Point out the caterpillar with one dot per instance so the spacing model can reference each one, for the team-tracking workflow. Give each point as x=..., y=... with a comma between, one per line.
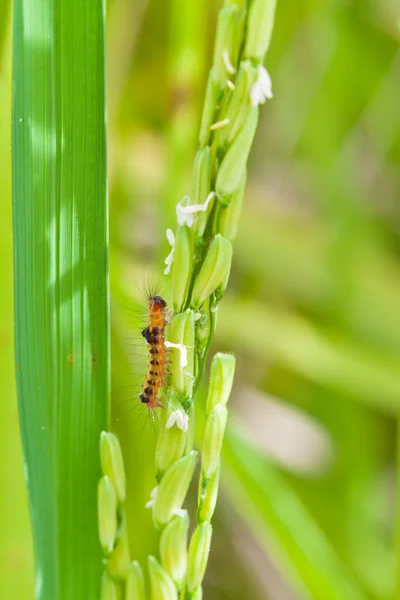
x=154, y=336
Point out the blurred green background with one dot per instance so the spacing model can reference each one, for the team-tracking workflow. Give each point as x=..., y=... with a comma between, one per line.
x=307, y=506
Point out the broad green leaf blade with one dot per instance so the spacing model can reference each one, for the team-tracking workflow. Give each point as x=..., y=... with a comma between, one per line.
x=284, y=526
x=61, y=281
x=16, y=559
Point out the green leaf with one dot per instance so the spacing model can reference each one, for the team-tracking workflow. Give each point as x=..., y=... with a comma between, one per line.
x=284, y=526
x=61, y=282
x=15, y=539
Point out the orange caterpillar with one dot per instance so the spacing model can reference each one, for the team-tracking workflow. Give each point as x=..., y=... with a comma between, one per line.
x=154, y=336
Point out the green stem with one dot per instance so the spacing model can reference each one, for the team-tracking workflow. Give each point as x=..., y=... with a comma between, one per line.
x=186, y=69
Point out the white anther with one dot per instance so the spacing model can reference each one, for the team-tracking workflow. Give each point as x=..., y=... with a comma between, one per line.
x=180, y=418
x=170, y=258
x=219, y=124
x=153, y=496
x=185, y=212
x=227, y=62
x=262, y=88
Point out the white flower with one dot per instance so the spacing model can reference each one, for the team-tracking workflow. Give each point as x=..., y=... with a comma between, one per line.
x=180, y=418
x=185, y=212
x=227, y=62
x=153, y=496
x=262, y=88
x=170, y=258
x=183, y=215
x=183, y=350
x=180, y=512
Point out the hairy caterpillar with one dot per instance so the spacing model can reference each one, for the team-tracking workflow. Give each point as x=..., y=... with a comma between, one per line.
x=154, y=335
